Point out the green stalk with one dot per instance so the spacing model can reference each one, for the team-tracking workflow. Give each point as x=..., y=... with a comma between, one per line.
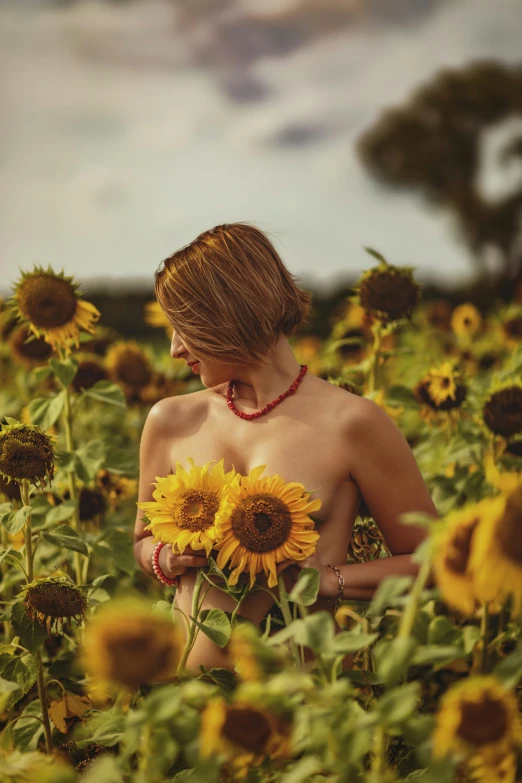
x=376, y=346
x=24, y=493
x=4, y=568
x=484, y=621
x=379, y=750
x=69, y=445
x=43, y=704
x=410, y=613
x=285, y=609
x=193, y=627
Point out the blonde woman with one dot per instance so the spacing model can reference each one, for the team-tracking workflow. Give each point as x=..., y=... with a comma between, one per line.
x=233, y=306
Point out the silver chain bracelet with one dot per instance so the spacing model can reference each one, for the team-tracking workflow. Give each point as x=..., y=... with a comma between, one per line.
x=336, y=603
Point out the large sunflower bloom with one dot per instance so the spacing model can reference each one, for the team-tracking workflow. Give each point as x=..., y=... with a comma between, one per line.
x=269, y=523
x=453, y=544
x=477, y=716
x=190, y=508
x=243, y=734
x=496, y=558
x=388, y=292
x=51, y=306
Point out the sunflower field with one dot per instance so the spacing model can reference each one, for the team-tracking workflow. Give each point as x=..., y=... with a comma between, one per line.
x=94, y=685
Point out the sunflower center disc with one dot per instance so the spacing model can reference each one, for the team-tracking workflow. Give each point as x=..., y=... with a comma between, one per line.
x=198, y=510
x=248, y=728
x=510, y=529
x=482, y=722
x=47, y=301
x=459, y=548
x=261, y=522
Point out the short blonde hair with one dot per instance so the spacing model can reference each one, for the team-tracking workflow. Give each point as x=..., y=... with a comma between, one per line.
x=229, y=293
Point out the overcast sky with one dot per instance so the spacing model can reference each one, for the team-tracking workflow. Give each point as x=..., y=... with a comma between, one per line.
x=129, y=128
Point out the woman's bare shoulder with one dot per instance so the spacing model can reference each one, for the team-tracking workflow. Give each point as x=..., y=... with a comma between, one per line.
x=171, y=411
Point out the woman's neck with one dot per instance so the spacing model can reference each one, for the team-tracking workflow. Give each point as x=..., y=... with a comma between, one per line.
x=263, y=382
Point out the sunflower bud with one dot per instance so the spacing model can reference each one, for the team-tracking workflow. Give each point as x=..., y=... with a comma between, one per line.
x=26, y=453
x=54, y=602
x=388, y=292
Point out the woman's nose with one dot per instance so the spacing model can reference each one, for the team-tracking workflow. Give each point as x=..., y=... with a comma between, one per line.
x=176, y=347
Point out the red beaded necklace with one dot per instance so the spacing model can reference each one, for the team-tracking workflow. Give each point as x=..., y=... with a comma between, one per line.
x=257, y=414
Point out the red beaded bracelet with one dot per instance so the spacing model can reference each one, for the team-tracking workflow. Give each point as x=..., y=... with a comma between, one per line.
x=157, y=568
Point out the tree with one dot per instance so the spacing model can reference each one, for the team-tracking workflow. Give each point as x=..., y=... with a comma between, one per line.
x=433, y=144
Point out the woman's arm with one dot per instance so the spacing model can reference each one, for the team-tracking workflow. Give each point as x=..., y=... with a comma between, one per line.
x=391, y=484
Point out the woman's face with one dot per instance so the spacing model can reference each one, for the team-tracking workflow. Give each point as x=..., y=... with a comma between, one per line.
x=211, y=371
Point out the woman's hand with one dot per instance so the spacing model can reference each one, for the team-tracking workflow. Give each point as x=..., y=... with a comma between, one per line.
x=328, y=581
x=174, y=565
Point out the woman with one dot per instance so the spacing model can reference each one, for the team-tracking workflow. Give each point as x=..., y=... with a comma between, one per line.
x=233, y=305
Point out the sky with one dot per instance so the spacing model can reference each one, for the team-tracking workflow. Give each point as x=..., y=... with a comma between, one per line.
x=129, y=128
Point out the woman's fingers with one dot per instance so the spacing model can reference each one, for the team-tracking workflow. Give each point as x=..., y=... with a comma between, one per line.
x=188, y=561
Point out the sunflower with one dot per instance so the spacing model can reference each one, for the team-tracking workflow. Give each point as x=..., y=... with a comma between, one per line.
x=54, y=601
x=466, y=320
x=367, y=542
x=253, y=659
x=269, y=523
x=116, y=488
x=453, y=544
x=128, y=645
x=101, y=340
x=502, y=411
x=496, y=558
x=160, y=386
x=478, y=715
x=154, y=315
x=441, y=388
x=27, y=349
x=129, y=366
x=504, y=481
x=499, y=768
x=388, y=292
x=244, y=735
x=50, y=304
x=437, y=313
x=26, y=452
x=190, y=508
x=90, y=370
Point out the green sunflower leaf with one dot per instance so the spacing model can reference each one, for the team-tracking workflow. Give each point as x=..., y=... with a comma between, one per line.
x=306, y=588
x=45, y=411
x=64, y=370
x=15, y=521
x=216, y=625
x=20, y=669
x=107, y=392
x=65, y=536
x=31, y=633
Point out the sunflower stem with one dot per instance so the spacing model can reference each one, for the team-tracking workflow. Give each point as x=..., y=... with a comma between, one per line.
x=285, y=609
x=24, y=494
x=379, y=750
x=43, y=704
x=484, y=621
x=374, y=357
x=69, y=445
x=3, y=573
x=410, y=613
x=191, y=638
